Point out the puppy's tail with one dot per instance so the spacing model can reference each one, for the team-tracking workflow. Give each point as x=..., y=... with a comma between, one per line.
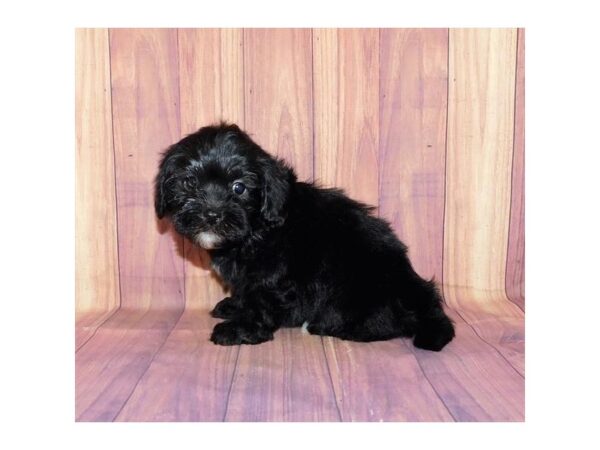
x=433, y=333
x=434, y=329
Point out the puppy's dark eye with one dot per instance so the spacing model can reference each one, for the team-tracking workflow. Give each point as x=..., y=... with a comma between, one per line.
x=238, y=188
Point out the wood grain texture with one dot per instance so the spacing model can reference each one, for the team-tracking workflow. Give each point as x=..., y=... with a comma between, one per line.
x=478, y=185
x=478, y=165
x=211, y=77
x=515, y=262
x=86, y=324
x=366, y=377
x=96, y=253
x=473, y=379
x=346, y=110
x=503, y=331
x=145, y=93
x=381, y=105
x=278, y=112
x=211, y=83
x=189, y=379
x=109, y=365
x=282, y=380
x=278, y=94
x=381, y=381
x=413, y=105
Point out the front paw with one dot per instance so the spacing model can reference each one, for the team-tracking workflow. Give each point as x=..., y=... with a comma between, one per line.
x=235, y=333
x=227, y=308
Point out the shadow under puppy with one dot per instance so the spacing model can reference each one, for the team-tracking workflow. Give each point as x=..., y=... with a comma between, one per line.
x=292, y=253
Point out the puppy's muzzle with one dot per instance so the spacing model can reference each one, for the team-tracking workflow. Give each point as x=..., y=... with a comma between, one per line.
x=212, y=217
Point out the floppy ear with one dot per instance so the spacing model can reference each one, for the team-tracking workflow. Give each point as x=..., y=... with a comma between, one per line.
x=165, y=172
x=277, y=178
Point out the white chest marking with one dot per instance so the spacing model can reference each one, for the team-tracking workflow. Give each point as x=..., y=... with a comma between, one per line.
x=208, y=239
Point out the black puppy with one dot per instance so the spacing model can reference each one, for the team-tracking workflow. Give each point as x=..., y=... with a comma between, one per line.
x=292, y=253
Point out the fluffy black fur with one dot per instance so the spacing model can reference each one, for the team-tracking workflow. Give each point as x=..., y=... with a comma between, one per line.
x=292, y=253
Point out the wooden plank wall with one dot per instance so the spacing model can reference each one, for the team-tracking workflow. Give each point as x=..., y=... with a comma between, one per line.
x=97, y=290
x=425, y=124
x=97, y=280
x=362, y=109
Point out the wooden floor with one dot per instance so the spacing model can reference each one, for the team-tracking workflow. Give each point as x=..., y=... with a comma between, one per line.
x=159, y=365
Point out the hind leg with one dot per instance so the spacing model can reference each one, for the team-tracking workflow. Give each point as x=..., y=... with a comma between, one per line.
x=376, y=326
x=355, y=333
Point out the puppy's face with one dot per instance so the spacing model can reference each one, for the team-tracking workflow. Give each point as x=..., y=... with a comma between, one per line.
x=218, y=187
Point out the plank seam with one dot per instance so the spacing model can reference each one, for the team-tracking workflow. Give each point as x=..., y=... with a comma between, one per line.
x=244, y=80
x=237, y=356
x=487, y=342
x=96, y=329
x=312, y=89
x=112, y=124
x=233, y=373
x=167, y=336
x=335, y=397
x=512, y=173
x=446, y=164
x=430, y=383
x=380, y=150
x=183, y=244
x=244, y=77
x=378, y=109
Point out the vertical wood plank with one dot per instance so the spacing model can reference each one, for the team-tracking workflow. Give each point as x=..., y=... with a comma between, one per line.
x=413, y=96
x=347, y=116
x=146, y=121
x=278, y=112
x=211, y=86
x=144, y=80
x=346, y=99
x=278, y=94
x=211, y=77
x=478, y=185
x=479, y=161
x=515, y=269
x=96, y=254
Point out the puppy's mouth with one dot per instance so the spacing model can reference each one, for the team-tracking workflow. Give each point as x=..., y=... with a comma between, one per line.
x=208, y=239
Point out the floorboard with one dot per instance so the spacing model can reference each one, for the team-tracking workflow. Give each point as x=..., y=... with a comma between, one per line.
x=475, y=381
x=286, y=379
x=109, y=365
x=381, y=381
x=87, y=323
x=160, y=366
x=505, y=333
x=189, y=378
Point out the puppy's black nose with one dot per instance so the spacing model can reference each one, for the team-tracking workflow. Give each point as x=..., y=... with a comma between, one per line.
x=212, y=217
